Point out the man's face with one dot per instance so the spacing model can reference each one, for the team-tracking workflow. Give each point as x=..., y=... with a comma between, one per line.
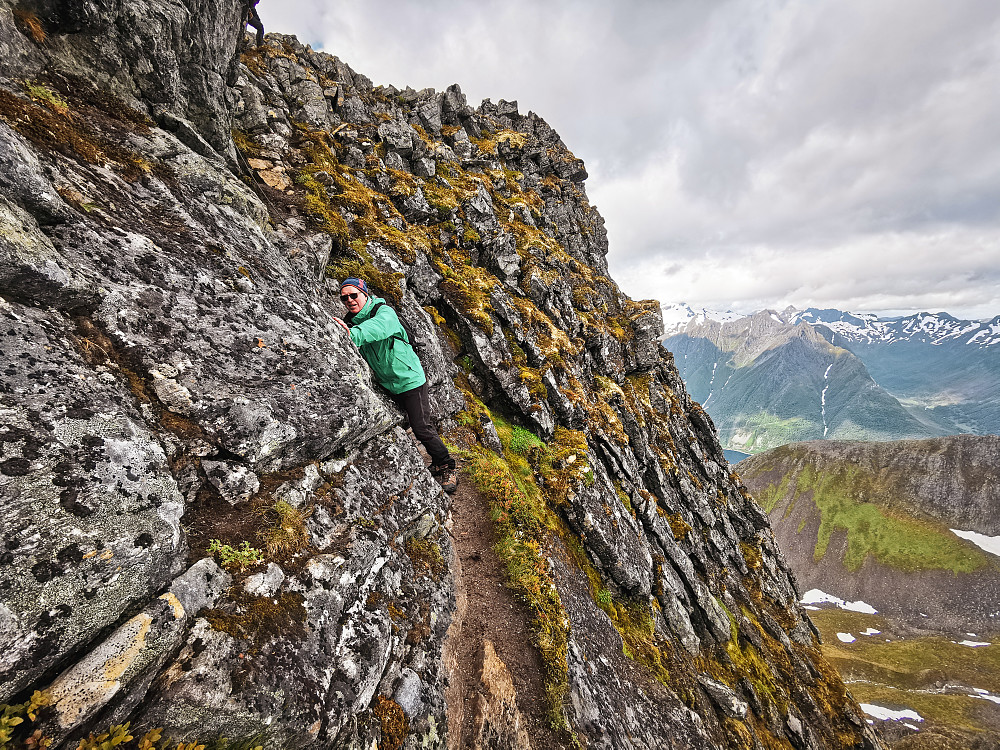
x=353, y=298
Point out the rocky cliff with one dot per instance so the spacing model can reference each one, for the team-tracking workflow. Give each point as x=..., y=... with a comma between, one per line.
x=213, y=522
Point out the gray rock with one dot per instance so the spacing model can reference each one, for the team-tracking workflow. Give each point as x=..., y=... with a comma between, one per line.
x=266, y=583
x=398, y=137
x=394, y=160
x=408, y=693
x=139, y=646
x=21, y=178
x=726, y=699
x=424, y=167
x=92, y=514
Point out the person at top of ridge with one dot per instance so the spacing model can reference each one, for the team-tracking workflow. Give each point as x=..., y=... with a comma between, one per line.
x=375, y=329
x=250, y=17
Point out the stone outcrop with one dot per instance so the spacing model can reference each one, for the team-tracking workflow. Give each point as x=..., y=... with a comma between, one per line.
x=175, y=390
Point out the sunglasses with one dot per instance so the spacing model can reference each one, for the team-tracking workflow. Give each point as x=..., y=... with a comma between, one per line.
x=345, y=297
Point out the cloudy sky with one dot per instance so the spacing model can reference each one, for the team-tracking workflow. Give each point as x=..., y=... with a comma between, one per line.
x=744, y=153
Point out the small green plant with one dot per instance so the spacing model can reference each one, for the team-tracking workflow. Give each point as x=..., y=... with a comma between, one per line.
x=13, y=715
x=604, y=599
x=115, y=736
x=42, y=93
x=9, y=719
x=240, y=557
x=523, y=442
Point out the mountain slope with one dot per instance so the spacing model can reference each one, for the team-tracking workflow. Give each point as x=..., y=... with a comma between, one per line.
x=896, y=535
x=873, y=521
x=215, y=524
x=947, y=368
x=767, y=382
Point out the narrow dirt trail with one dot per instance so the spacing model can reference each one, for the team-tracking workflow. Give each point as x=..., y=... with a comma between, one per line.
x=488, y=612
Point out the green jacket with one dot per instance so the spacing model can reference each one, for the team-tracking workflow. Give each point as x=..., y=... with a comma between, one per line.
x=385, y=346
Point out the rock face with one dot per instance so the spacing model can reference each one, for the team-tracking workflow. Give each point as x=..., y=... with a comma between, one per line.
x=873, y=521
x=176, y=398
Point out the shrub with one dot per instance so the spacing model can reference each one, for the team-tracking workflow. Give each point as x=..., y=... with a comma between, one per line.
x=240, y=557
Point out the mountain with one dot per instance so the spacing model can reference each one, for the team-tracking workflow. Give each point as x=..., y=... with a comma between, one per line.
x=776, y=377
x=946, y=367
x=214, y=523
x=904, y=538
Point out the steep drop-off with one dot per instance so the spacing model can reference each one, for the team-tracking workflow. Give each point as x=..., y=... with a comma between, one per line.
x=871, y=524
x=213, y=521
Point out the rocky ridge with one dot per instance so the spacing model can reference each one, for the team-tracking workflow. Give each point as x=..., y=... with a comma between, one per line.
x=215, y=523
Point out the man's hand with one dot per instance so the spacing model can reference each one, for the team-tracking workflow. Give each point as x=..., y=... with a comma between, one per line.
x=341, y=323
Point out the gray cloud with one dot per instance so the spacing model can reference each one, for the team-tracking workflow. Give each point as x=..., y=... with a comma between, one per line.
x=746, y=152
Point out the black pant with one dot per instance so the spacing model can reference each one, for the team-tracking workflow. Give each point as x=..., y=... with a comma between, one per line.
x=416, y=404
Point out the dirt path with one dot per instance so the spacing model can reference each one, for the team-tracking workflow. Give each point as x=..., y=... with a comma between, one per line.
x=488, y=611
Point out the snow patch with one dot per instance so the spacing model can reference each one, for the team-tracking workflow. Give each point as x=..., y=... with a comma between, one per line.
x=871, y=631
x=822, y=397
x=815, y=596
x=973, y=644
x=846, y=638
x=887, y=714
x=677, y=317
x=990, y=544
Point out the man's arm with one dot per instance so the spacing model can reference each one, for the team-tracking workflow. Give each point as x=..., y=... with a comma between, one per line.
x=384, y=324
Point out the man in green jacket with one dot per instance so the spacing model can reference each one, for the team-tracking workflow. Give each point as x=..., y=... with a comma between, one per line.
x=375, y=329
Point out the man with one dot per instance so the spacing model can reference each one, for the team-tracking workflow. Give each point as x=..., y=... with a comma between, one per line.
x=250, y=17
x=375, y=329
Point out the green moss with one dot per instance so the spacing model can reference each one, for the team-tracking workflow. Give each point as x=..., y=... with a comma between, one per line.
x=285, y=531
x=533, y=380
x=61, y=125
x=259, y=619
x=393, y=723
x=749, y=663
x=633, y=619
x=678, y=526
x=895, y=540
x=467, y=286
x=426, y=556
x=43, y=94
x=388, y=284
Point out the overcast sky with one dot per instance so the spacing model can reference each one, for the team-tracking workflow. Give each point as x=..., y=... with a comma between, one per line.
x=744, y=153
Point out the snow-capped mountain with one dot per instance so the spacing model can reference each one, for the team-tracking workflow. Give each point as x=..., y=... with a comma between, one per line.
x=775, y=376
x=928, y=328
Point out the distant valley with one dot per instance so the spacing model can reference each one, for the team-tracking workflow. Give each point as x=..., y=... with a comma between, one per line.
x=777, y=377
x=896, y=546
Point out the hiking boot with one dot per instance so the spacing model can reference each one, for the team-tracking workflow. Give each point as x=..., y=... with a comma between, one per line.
x=446, y=476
